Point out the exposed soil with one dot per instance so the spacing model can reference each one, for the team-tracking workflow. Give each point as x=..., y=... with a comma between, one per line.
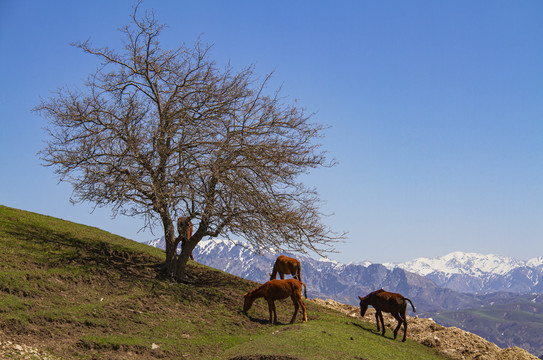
x=11, y=350
x=456, y=343
x=264, y=357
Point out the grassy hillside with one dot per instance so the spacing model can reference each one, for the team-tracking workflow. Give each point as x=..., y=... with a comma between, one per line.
x=82, y=293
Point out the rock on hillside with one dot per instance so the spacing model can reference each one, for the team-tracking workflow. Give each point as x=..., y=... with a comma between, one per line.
x=16, y=350
x=456, y=343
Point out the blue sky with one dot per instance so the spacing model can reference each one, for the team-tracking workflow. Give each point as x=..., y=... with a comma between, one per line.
x=435, y=110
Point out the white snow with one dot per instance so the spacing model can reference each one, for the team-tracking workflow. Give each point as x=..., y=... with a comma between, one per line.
x=535, y=262
x=472, y=264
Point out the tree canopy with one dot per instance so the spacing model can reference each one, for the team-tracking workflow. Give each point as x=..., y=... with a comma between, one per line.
x=164, y=134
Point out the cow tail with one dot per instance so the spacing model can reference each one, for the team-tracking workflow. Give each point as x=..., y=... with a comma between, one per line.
x=273, y=275
x=305, y=289
x=413, y=306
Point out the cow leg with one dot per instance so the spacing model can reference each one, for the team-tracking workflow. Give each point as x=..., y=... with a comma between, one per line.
x=271, y=309
x=404, y=326
x=400, y=321
x=282, y=276
x=377, y=320
x=303, y=309
x=382, y=323
x=296, y=307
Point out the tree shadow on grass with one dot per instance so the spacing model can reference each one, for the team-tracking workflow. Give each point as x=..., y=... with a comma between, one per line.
x=60, y=249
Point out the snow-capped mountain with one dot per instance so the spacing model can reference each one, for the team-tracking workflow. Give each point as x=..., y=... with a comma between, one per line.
x=477, y=273
x=459, y=271
x=461, y=263
x=469, y=273
x=536, y=263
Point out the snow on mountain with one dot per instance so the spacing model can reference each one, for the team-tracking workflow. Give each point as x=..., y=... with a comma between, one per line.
x=158, y=243
x=536, y=263
x=462, y=263
x=477, y=273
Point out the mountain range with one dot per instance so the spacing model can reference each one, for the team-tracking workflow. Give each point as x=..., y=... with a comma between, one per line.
x=477, y=273
x=451, y=282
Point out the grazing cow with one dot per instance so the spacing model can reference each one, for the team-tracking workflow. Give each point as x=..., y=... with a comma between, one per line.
x=285, y=265
x=184, y=230
x=388, y=302
x=277, y=290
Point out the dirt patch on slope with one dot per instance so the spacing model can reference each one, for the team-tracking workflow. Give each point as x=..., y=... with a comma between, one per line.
x=455, y=343
x=11, y=350
x=263, y=357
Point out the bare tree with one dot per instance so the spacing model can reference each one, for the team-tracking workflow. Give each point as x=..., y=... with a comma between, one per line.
x=163, y=134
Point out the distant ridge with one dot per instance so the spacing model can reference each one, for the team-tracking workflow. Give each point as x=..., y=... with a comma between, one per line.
x=468, y=263
x=470, y=273
x=478, y=273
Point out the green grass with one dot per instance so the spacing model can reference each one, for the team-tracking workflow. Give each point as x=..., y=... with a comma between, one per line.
x=83, y=293
x=337, y=337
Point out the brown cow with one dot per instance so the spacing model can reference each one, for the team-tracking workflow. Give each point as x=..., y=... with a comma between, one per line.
x=285, y=265
x=392, y=303
x=277, y=290
x=184, y=230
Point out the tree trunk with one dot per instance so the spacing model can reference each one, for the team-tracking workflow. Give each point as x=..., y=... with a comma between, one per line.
x=186, y=250
x=175, y=266
x=169, y=267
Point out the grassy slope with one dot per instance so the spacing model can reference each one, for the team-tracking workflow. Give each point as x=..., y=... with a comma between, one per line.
x=83, y=293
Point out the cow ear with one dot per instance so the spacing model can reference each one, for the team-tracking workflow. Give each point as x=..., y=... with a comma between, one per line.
x=360, y=298
x=245, y=295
